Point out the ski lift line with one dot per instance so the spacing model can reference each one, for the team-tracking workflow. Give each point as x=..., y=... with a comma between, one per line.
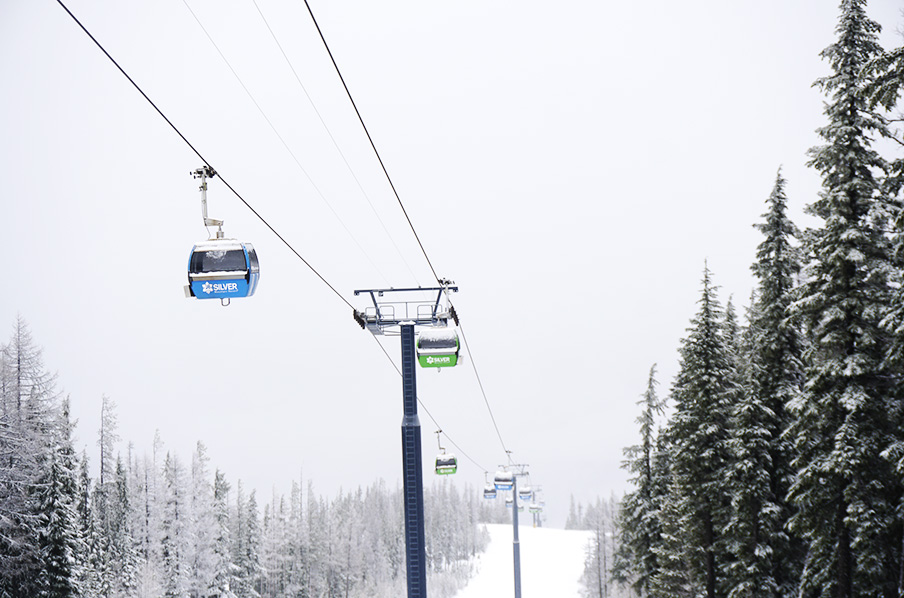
x=258, y=215
x=370, y=139
x=427, y=411
x=335, y=143
x=282, y=140
x=401, y=205
x=464, y=339
x=204, y=160
x=383, y=321
x=508, y=453
x=458, y=449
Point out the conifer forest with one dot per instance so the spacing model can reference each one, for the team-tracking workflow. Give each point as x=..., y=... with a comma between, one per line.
x=165, y=525
x=771, y=466
x=778, y=469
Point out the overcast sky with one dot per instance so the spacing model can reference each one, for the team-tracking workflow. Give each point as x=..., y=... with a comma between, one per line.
x=570, y=165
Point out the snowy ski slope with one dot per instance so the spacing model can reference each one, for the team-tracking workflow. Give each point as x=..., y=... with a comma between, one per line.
x=552, y=561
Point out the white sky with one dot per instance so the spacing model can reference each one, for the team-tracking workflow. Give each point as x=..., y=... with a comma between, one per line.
x=570, y=165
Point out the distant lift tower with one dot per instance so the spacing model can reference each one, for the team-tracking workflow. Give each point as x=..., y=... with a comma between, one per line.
x=386, y=316
x=516, y=543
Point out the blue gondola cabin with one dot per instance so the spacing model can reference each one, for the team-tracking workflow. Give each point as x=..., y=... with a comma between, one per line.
x=222, y=269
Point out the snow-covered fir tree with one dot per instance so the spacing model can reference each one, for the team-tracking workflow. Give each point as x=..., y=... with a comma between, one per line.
x=571, y=520
x=59, y=539
x=764, y=559
x=122, y=545
x=749, y=571
x=221, y=565
x=662, y=492
x=28, y=403
x=846, y=493
x=885, y=80
x=175, y=527
x=638, y=522
x=677, y=573
x=598, y=580
x=702, y=394
x=203, y=529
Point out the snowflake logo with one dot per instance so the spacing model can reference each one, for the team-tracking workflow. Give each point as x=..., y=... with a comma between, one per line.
x=207, y=288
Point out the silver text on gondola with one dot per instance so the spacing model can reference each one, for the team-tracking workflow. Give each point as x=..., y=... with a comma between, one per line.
x=219, y=287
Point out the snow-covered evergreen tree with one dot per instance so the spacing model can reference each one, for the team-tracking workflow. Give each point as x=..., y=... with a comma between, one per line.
x=89, y=580
x=175, y=526
x=247, y=542
x=669, y=562
x=597, y=579
x=638, y=522
x=149, y=513
x=846, y=493
x=764, y=561
x=101, y=492
x=572, y=521
x=885, y=80
x=122, y=544
x=222, y=555
x=274, y=556
x=317, y=523
x=702, y=395
x=203, y=529
x=59, y=537
x=754, y=519
x=379, y=562
x=28, y=402
x=296, y=543
x=674, y=576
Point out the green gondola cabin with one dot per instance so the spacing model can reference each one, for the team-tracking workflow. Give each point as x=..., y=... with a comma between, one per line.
x=438, y=347
x=446, y=464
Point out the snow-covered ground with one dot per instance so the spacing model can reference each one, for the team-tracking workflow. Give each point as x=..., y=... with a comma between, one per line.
x=552, y=561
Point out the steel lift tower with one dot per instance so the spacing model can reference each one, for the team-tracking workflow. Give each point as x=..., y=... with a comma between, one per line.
x=516, y=543
x=384, y=317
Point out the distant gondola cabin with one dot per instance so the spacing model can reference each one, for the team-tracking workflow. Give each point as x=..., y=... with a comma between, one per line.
x=504, y=480
x=446, y=464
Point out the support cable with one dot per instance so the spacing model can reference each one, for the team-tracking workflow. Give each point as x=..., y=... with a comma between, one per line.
x=404, y=211
x=197, y=153
x=335, y=143
x=370, y=139
x=464, y=339
x=278, y=235
x=283, y=141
